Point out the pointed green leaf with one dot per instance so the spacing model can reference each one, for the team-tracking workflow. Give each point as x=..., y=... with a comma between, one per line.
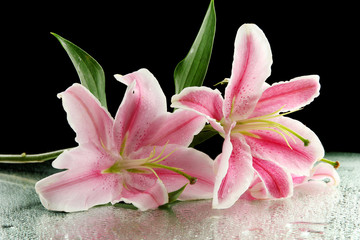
x=206, y=133
x=89, y=70
x=192, y=69
x=173, y=196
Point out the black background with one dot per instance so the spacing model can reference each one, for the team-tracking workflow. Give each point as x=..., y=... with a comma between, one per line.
x=306, y=38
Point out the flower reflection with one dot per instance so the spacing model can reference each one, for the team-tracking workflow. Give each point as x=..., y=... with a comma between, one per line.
x=289, y=218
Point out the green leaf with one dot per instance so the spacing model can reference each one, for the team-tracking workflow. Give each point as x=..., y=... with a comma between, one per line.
x=89, y=70
x=207, y=132
x=192, y=69
x=173, y=196
x=125, y=205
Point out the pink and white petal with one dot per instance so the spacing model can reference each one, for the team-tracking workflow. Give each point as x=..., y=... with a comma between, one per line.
x=143, y=102
x=144, y=192
x=257, y=191
x=251, y=67
x=297, y=180
x=90, y=121
x=311, y=187
x=204, y=100
x=290, y=95
x=277, y=180
x=178, y=127
x=88, y=156
x=234, y=172
x=194, y=163
x=325, y=171
x=300, y=159
x=190, y=161
x=217, y=126
x=77, y=190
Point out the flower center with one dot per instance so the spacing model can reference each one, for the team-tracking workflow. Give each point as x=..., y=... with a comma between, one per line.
x=146, y=165
x=263, y=123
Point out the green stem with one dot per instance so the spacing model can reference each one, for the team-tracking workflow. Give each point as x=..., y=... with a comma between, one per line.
x=335, y=164
x=30, y=158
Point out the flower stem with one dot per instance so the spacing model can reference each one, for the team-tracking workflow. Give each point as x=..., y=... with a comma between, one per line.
x=335, y=164
x=30, y=158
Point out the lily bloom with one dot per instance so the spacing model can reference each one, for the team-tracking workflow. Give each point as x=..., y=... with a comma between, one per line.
x=258, y=139
x=138, y=157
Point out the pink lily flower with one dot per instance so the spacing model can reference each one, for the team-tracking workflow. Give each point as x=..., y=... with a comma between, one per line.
x=259, y=140
x=138, y=157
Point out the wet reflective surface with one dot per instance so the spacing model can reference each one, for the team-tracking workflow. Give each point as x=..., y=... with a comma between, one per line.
x=333, y=213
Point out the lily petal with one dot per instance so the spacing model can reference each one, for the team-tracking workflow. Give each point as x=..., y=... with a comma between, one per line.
x=144, y=192
x=178, y=127
x=290, y=95
x=325, y=171
x=272, y=146
x=251, y=67
x=77, y=190
x=87, y=157
x=143, y=102
x=277, y=181
x=234, y=172
x=89, y=120
x=203, y=100
x=323, y=177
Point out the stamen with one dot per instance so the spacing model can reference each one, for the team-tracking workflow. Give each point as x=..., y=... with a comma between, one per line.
x=249, y=134
x=281, y=134
x=152, y=154
x=263, y=122
x=269, y=115
x=272, y=115
x=286, y=113
x=281, y=127
x=146, y=165
x=153, y=171
x=162, y=159
x=304, y=140
x=225, y=81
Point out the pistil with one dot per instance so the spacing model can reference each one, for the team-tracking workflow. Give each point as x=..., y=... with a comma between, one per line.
x=335, y=164
x=263, y=123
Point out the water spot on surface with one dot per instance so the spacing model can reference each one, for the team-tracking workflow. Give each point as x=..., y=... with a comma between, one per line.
x=5, y=226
